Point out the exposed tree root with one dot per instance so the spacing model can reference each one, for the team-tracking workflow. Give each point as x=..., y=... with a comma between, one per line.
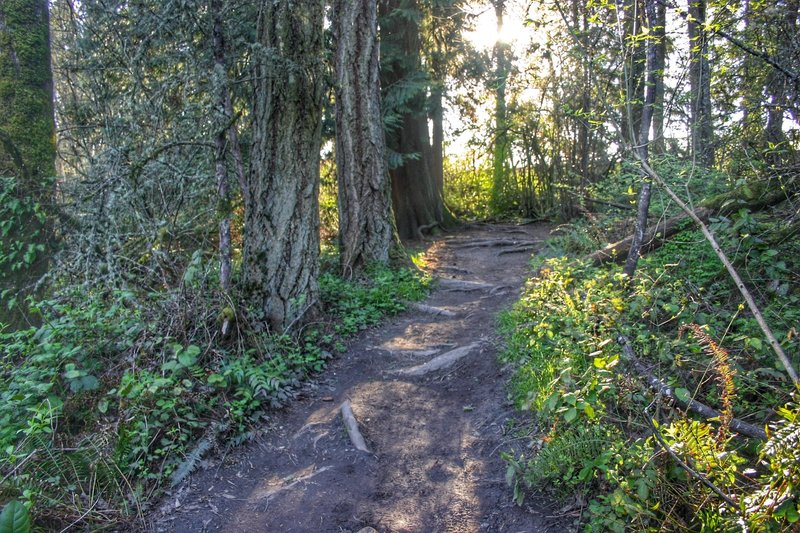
x=351, y=424
x=430, y=310
x=437, y=363
x=465, y=286
x=271, y=493
x=519, y=249
x=494, y=243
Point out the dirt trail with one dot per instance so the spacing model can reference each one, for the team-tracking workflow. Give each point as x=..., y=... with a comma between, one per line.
x=434, y=438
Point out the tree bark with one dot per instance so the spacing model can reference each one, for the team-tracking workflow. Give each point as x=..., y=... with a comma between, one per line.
x=366, y=232
x=653, y=78
x=700, y=86
x=415, y=198
x=281, y=248
x=27, y=148
x=658, y=143
x=499, y=156
x=220, y=167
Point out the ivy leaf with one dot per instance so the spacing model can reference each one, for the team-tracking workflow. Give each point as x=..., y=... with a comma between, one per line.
x=571, y=414
x=683, y=395
x=15, y=518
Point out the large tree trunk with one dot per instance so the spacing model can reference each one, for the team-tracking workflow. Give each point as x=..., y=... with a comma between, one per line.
x=27, y=146
x=416, y=200
x=281, y=248
x=365, y=212
x=700, y=86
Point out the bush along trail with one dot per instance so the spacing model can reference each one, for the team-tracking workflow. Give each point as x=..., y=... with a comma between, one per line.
x=658, y=405
x=403, y=432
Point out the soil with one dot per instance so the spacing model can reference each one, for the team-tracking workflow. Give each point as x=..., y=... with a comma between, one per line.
x=435, y=439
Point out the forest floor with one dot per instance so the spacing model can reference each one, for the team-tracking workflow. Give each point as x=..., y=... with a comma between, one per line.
x=434, y=439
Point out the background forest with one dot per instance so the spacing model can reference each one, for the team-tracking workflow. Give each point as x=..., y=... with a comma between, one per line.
x=201, y=199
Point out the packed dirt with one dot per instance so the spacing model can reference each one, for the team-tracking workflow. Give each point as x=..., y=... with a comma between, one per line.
x=434, y=417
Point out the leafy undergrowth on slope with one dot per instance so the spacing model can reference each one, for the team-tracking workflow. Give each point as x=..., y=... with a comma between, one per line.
x=612, y=446
x=116, y=395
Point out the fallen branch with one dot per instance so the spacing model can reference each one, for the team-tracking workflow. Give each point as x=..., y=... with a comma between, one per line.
x=465, y=286
x=437, y=363
x=430, y=310
x=629, y=356
x=351, y=424
x=732, y=272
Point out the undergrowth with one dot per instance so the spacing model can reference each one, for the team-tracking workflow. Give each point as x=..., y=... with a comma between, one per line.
x=119, y=394
x=640, y=461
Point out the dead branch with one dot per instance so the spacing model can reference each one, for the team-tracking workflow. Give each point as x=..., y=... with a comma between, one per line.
x=351, y=424
x=732, y=272
x=630, y=357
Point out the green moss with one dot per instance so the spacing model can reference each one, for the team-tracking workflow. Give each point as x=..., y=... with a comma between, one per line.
x=26, y=89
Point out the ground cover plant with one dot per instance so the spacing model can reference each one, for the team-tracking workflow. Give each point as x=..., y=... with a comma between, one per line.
x=635, y=459
x=107, y=402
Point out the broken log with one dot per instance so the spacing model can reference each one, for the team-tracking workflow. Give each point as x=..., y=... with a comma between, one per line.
x=437, y=363
x=630, y=357
x=351, y=424
x=653, y=238
x=430, y=310
x=753, y=196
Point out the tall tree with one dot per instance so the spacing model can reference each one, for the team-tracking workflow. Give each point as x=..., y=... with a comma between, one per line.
x=366, y=229
x=700, y=85
x=27, y=142
x=418, y=204
x=500, y=151
x=281, y=247
x=653, y=78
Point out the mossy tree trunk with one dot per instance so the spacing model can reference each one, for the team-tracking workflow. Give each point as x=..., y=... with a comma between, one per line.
x=281, y=247
x=27, y=148
x=366, y=229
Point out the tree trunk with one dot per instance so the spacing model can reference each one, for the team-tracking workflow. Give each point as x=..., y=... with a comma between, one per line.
x=700, y=86
x=634, y=70
x=658, y=145
x=778, y=88
x=220, y=168
x=415, y=198
x=500, y=154
x=281, y=247
x=365, y=212
x=27, y=147
x=653, y=79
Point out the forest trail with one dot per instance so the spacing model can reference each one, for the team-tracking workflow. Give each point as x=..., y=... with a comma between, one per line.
x=434, y=425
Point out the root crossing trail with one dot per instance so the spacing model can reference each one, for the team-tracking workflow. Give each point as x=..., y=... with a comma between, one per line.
x=427, y=395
